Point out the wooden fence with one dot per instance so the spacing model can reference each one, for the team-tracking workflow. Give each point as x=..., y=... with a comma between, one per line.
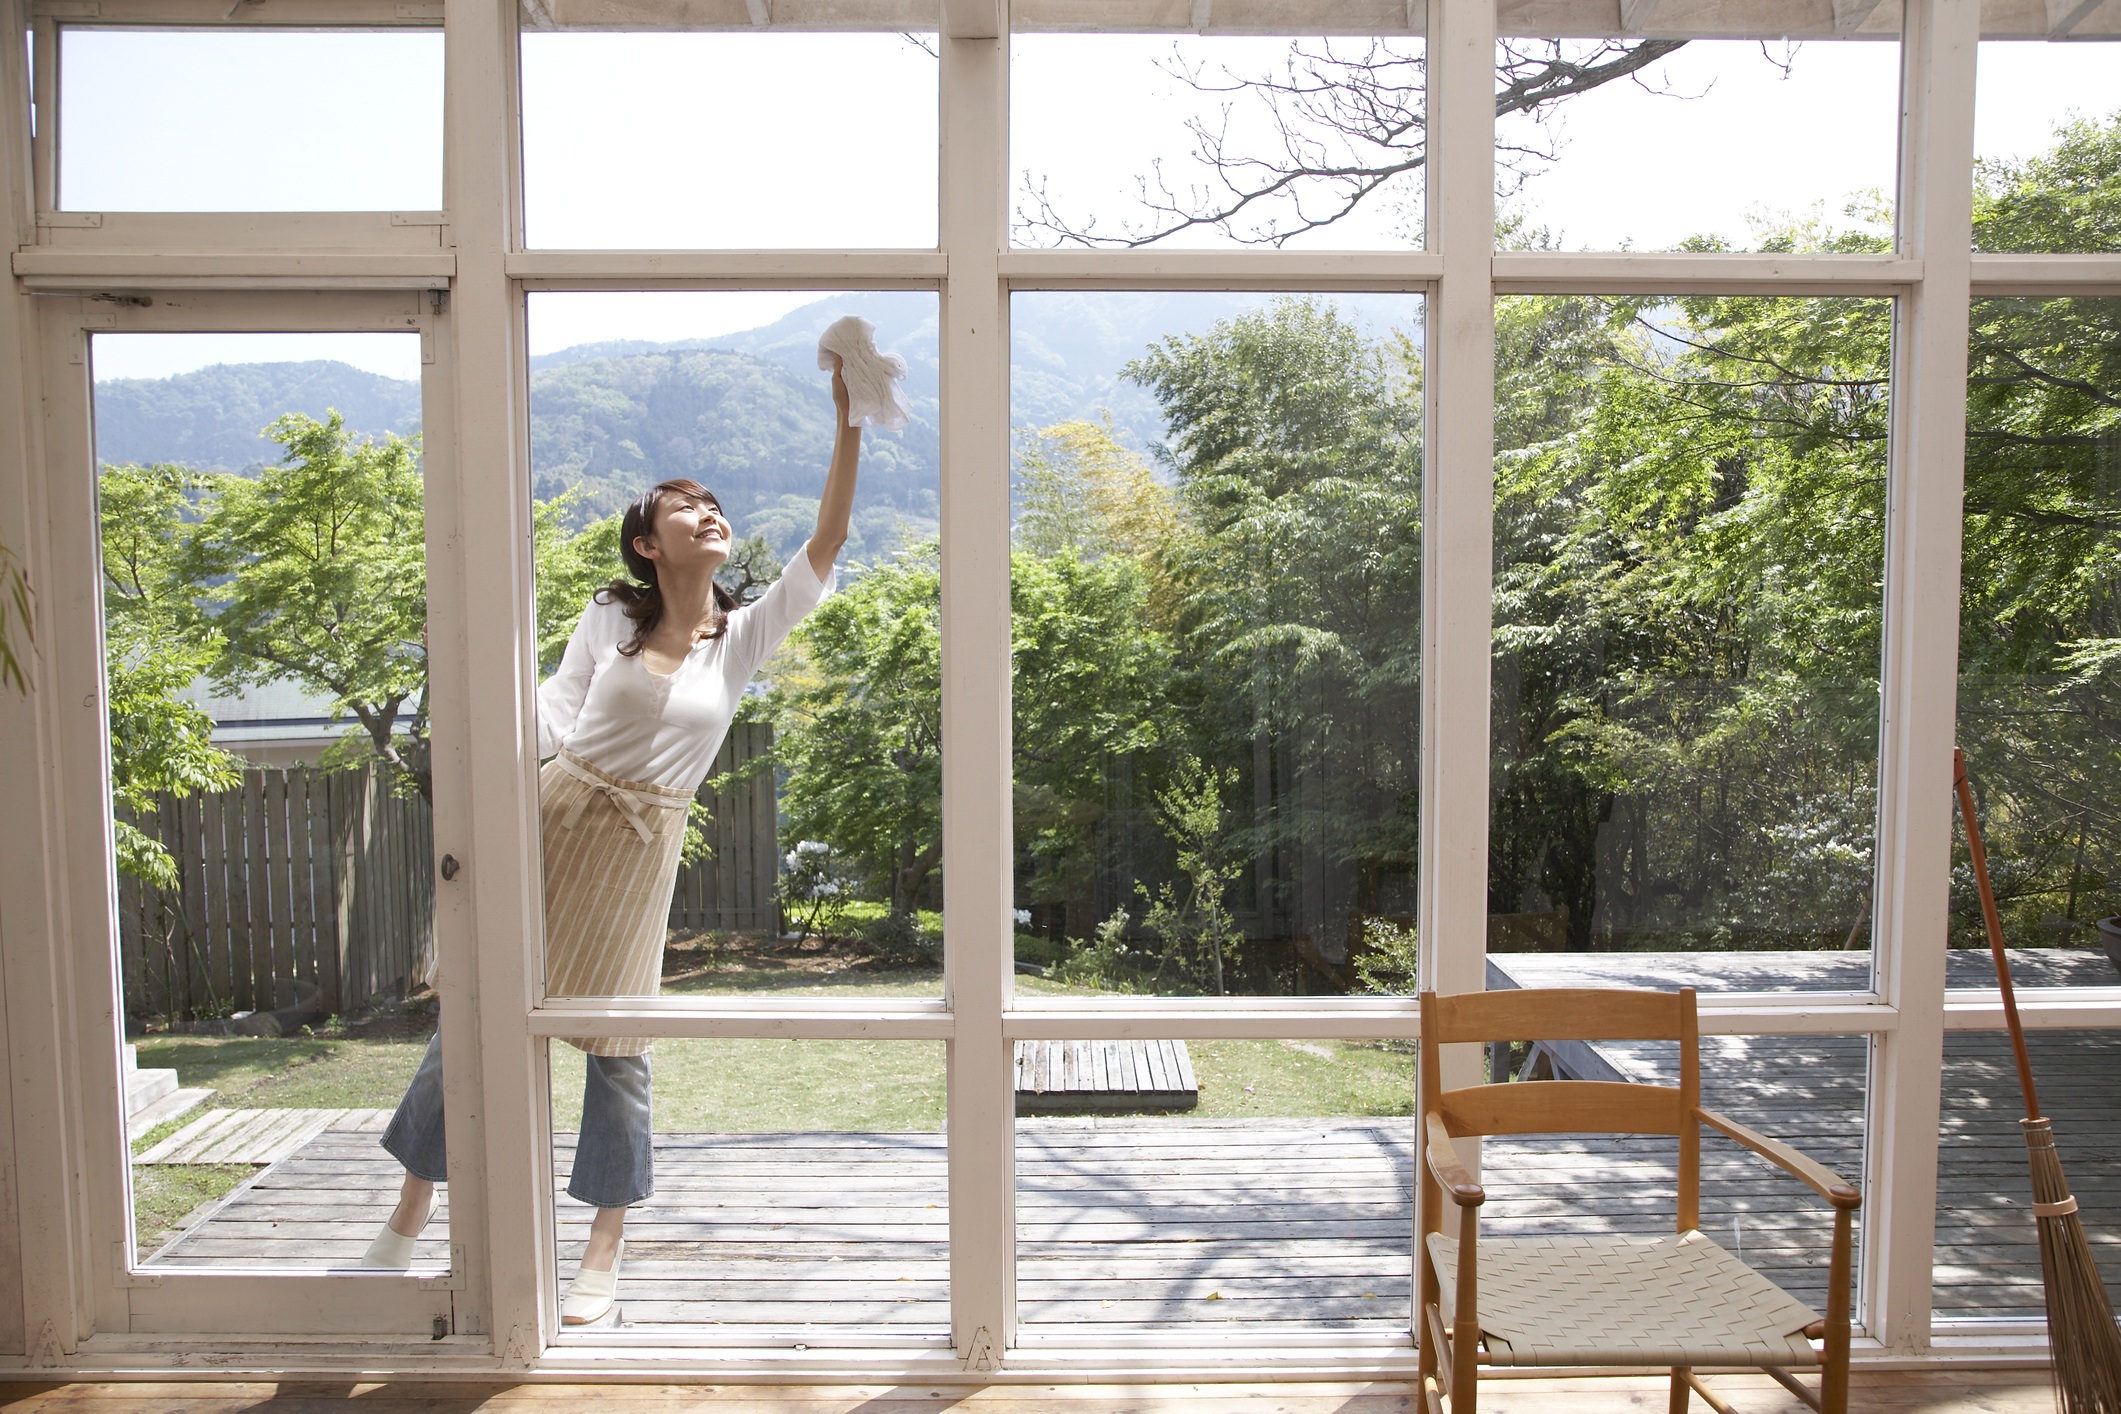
x=736, y=888
x=298, y=886
x=307, y=887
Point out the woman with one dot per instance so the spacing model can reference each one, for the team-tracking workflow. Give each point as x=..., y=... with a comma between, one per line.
x=631, y=721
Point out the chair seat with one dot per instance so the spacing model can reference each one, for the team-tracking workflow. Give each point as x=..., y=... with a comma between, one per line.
x=1663, y=1299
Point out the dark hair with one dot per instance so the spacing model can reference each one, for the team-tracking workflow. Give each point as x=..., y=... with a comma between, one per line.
x=644, y=601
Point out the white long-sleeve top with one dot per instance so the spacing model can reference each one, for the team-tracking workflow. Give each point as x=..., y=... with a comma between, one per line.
x=664, y=729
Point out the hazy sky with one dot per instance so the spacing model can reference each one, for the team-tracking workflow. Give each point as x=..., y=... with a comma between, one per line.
x=632, y=140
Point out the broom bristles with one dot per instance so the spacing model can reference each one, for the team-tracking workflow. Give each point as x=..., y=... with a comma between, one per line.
x=2084, y=1341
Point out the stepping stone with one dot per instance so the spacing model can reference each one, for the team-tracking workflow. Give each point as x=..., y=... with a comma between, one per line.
x=255, y=1136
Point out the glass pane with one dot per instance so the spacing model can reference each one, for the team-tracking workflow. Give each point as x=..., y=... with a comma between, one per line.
x=169, y=120
x=1807, y=1091
x=2047, y=128
x=1689, y=540
x=1217, y=588
x=1988, y=1252
x=271, y=786
x=2040, y=640
x=1217, y=141
x=796, y=1191
x=1781, y=143
x=729, y=140
x=1257, y=1187
x=812, y=851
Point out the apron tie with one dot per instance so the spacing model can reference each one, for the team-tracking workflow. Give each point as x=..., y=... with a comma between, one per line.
x=626, y=802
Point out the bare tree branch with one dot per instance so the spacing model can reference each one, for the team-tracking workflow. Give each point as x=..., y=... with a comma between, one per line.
x=1338, y=127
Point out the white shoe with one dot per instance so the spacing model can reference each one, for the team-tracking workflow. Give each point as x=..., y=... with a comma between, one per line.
x=591, y=1295
x=393, y=1249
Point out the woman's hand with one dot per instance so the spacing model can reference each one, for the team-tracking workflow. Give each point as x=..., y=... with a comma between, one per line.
x=841, y=399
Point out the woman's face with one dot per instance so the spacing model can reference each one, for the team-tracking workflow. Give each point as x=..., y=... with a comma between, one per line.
x=689, y=531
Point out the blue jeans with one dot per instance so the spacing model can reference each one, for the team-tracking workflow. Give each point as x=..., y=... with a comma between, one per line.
x=614, y=1156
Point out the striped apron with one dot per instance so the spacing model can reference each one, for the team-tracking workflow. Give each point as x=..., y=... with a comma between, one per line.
x=611, y=861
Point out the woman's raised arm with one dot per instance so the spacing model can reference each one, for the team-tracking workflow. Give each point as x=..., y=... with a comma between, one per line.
x=837, y=503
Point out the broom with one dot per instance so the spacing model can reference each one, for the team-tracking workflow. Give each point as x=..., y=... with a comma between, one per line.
x=2081, y=1334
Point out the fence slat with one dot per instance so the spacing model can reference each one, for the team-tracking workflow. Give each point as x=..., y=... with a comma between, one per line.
x=257, y=880
x=265, y=895
x=213, y=900
x=301, y=908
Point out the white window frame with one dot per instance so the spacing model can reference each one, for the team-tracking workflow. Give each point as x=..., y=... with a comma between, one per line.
x=78, y=1309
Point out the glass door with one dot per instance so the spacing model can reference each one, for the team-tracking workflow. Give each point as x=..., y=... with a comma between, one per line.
x=247, y=519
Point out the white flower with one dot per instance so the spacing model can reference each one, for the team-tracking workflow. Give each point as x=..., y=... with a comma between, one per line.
x=1023, y=918
x=812, y=847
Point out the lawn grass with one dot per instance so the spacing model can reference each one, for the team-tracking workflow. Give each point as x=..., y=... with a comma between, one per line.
x=1302, y=1079
x=752, y=1085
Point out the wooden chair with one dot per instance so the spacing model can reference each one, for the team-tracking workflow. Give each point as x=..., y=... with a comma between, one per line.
x=1626, y=1299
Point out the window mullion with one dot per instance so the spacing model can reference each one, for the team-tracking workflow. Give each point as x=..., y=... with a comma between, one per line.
x=976, y=695
x=499, y=1117
x=1458, y=498
x=1926, y=479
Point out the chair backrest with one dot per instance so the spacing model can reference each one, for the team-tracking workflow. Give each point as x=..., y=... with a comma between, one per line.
x=1561, y=1106
x=1565, y=1106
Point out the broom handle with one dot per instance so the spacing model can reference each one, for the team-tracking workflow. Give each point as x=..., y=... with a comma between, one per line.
x=1994, y=922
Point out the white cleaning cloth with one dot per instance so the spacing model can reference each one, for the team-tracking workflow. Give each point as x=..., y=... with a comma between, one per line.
x=874, y=398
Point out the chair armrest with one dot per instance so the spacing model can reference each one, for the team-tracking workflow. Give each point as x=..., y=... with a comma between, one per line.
x=1815, y=1176
x=1444, y=1163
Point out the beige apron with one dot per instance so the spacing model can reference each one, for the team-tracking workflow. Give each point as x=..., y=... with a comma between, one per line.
x=611, y=861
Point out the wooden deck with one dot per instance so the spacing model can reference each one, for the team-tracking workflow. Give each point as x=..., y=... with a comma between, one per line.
x=1142, y=1223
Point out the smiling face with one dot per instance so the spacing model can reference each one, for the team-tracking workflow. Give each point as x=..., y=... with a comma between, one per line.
x=690, y=531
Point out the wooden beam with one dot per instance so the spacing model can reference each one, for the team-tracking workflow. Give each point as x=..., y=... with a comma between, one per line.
x=1152, y=268
x=728, y=269
x=1680, y=272
x=975, y=19
x=1636, y=16
x=1849, y=15
x=2047, y=275
x=2063, y=16
x=58, y=268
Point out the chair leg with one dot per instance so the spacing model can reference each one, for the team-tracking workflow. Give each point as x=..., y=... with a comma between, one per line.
x=1834, y=1383
x=1680, y=1391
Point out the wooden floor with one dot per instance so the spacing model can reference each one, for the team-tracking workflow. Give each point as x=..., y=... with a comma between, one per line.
x=1927, y=1393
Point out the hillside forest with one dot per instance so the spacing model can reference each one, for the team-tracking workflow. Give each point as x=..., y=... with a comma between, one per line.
x=1217, y=627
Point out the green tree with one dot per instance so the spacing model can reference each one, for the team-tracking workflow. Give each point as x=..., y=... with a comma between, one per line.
x=1090, y=673
x=1690, y=521
x=857, y=707
x=858, y=723
x=155, y=646
x=315, y=569
x=2040, y=597
x=1296, y=449
x=1192, y=914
